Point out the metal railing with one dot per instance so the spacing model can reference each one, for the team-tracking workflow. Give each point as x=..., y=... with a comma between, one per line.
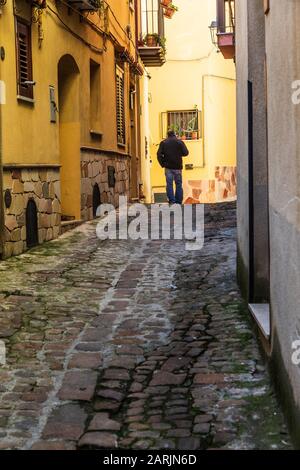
x=152, y=18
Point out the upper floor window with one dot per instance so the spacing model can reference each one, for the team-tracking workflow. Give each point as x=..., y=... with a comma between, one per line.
x=95, y=97
x=226, y=16
x=24, y=59
x=152, y=18
x=120, y=90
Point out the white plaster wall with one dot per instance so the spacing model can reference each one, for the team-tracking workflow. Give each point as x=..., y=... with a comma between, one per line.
x=283, y=67
x=242, y=130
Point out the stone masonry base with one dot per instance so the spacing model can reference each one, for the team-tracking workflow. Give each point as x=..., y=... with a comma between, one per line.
x=42, y=186
x=95, y=170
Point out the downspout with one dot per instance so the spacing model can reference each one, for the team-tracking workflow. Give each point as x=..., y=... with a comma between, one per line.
x=2, y=101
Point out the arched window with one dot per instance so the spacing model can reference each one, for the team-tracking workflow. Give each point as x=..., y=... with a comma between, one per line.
x=31, y=224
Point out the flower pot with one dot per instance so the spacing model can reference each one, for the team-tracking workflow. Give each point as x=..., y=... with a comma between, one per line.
x=165, y=3
x=151, y=41
x=183, y=137
x=169, y=12
x=194, y=135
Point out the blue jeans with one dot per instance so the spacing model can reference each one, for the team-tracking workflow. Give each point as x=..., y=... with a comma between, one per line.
x=171, y=176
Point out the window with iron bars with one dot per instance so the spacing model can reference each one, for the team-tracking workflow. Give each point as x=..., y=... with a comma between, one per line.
x=187, y=125
x=152, y=19
x=226, y=16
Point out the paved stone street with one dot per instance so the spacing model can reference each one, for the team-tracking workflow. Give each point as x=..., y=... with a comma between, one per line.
x=135, y=344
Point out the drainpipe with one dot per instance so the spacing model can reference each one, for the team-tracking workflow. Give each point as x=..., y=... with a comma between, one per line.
x=2, y=100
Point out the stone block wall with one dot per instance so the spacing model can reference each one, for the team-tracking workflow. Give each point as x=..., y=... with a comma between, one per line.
x=94, y=170
x=41, y=185
x=221, y=189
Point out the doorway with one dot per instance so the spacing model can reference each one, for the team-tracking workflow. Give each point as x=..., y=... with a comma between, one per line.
x=31, y=224
x=69, y=136
x=259, y=240
x=96, y=199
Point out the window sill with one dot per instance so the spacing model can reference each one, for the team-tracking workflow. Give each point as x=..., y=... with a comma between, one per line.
x=96, y=133
x=25, y=99
x=123, y=146
x=261, y=315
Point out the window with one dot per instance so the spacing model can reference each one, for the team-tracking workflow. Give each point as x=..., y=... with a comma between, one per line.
x=120, y=105
x=152, y=17
x=186, y=124
x=24, y=59
x=95, y=97
x=226, y=16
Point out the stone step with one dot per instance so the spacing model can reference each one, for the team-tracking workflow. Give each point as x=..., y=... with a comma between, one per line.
x=67, y=225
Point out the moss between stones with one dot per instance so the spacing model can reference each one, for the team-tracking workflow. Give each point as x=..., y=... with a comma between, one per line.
x=285, y=392
x=268, y=421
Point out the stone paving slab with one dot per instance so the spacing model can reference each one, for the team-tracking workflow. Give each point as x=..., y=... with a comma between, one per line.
x=132, y=344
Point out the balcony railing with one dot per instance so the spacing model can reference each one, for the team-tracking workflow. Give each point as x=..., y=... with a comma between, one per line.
x=152, y=41
x=223, y=30
x=85, y=5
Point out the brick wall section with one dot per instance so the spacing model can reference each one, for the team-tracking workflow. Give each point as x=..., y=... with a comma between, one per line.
x=94, y=170
x=41, y=185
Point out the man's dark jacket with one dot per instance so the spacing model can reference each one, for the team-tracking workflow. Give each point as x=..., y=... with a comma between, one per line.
x=170, y=153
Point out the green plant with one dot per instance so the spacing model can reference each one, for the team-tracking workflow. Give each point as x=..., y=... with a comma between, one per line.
x=191, y=127
x=159, y=40
x=175, y=128
x=162, y=42
x=151, y=37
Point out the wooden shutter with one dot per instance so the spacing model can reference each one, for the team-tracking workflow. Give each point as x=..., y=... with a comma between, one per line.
x=24, y=58
x=120, y=105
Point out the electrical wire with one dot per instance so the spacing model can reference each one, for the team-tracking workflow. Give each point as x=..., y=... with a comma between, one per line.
x=104, y=33
x=77, y=36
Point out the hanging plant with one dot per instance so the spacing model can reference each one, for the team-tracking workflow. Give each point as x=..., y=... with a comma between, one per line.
x=170, y=10
x=165, y=3
x=151, y=40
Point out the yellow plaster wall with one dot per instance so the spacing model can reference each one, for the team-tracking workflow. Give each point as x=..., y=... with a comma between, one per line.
x=194, y=75
x=28, y=135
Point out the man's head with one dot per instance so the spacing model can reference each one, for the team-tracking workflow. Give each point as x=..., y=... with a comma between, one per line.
x=171, y=134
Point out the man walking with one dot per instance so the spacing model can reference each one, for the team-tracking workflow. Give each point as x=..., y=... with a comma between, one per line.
x=169, y=155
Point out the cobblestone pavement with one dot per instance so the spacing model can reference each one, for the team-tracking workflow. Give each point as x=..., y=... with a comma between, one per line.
x=135, y=344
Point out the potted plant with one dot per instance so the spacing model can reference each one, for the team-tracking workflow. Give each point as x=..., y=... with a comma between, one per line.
x=191, y=128
x=162, y=42
x=170, y=10
x=151, y=40
x=165, y=3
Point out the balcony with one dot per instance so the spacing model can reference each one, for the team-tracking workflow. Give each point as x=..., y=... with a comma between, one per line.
x=151, y=43
x=85, y=5
x=223, y=30
x=226, y=44
x=152, y=56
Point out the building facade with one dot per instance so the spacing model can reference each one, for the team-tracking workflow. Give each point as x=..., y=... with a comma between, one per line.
x=268, y=117
x=196, y=98
x=73, y=114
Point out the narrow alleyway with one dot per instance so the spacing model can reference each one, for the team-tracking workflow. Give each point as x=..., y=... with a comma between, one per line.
x=135, y=344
